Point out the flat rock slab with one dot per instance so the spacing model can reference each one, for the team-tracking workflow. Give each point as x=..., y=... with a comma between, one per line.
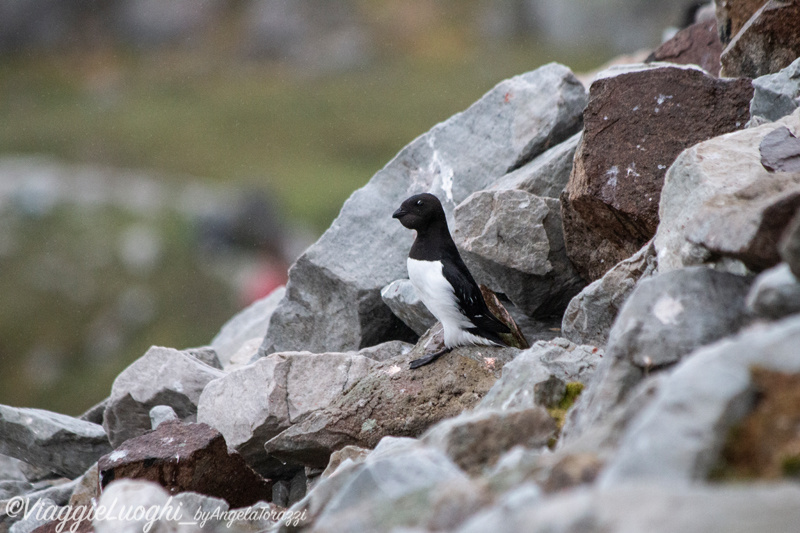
x=333, y=300
x=394, y=400
x=187, y=457
x=768, y=42
x=60, y=443
x=780, y=151
x=697, y=44
x=637, y=122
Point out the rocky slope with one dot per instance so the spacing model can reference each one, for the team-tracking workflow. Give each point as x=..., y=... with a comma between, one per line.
x=645, y=237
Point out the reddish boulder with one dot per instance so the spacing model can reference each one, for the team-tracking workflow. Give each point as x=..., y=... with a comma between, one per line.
x=187, y=457
x=732, y=15
x=698, y=44
x=768, y=42
x=636, y=124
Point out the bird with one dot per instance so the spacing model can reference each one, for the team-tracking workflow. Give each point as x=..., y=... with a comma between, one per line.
x=443, y=282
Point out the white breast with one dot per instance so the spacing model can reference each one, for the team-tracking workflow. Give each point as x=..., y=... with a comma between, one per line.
x=438, y=296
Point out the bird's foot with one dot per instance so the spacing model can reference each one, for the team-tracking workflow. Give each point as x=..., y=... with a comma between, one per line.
x=428, y=359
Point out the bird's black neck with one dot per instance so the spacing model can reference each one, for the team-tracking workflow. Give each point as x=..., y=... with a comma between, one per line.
x=433, y=243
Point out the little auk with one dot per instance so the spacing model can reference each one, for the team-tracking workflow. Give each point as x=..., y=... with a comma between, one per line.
x=443, y=282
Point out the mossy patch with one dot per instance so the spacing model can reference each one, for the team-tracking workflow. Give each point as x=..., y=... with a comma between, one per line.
x=766, y=444
x=559, y=410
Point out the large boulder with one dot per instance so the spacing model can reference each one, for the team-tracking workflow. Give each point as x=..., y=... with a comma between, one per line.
x=678, y=437
x=333, y=300
x=638, y=120
x=664, y=319
x=186, y=457
x=704, y=178
x=254, y=403
x=162, y=376
x=512, y=241
x=394, y=400
x=60, y=443
x=768, y=42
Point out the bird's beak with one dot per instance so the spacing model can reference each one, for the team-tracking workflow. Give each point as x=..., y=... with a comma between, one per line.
x=399, y=213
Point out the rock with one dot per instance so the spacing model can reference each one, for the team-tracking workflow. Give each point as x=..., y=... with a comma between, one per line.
x=475, y=440
x=10, y=488
x=87, y=489
x=11, y=469
x=780, y=151
x=402, y=298
x=638, y=120
x=512, y=241
x=332, y=300
x=775, y=293
x=386, y=350
x=162, y=376
x=678, y=437
x=697, y=44
x=546, y=175
x=134, y=493
x=747, y=224
x=95, y=413
x=702, y=179
x=590, y=314
x=571, y=471
x=538, y=376
x=394, y=400
x=160, y=414
x=249, y=323
x=398, y=484
x=252, y=404
x=733, y=15
x=206, y=355
x=354, y=454
x=768, y=42
x=790, y=246
x=33, y=521
x=186, y=457
x=777, y=95
x=664, y=319
x=60, y=443
x=645, y=507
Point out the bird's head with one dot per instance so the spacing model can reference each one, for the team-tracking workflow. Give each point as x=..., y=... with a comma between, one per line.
x=420, y=211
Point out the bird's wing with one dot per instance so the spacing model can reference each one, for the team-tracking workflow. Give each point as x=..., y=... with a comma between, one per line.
x=469, y=297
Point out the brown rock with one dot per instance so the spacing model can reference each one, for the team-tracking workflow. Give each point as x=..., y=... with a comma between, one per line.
x=394, y=400
x=698, y=44
x=186, y=457
x=572, y=470
x=636, y=124
x=768, y=42
x=732, y=15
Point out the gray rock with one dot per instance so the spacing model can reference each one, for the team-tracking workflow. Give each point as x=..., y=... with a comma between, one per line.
x=207, y=355
x=591, y=314
x=162, y=376
x=398, y=484
x=95, y=413
x=134, y=493
x=394, y=400
x=11, y=469
x=249, y=323
x=402, y=298
x=646, y=507
x=332, y=300
x=777, y=95
x=538, y=376
x=476, y=440
x=711, y=173
x=60, y=443
x=790, y=245
x=161, y=413
x=665, y=318
x=386, y=350
x=11, y=488
x=547, y=174
x=253, y=404
x=678, y=437
x=34, y=520
x=513, y=243
x=775, y=293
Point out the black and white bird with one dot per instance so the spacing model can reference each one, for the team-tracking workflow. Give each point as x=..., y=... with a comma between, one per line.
x=442, y=280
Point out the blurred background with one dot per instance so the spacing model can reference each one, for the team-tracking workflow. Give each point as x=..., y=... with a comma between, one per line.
x=163, y=162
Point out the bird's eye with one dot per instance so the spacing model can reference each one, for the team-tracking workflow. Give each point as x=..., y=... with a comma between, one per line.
x=419, y=202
